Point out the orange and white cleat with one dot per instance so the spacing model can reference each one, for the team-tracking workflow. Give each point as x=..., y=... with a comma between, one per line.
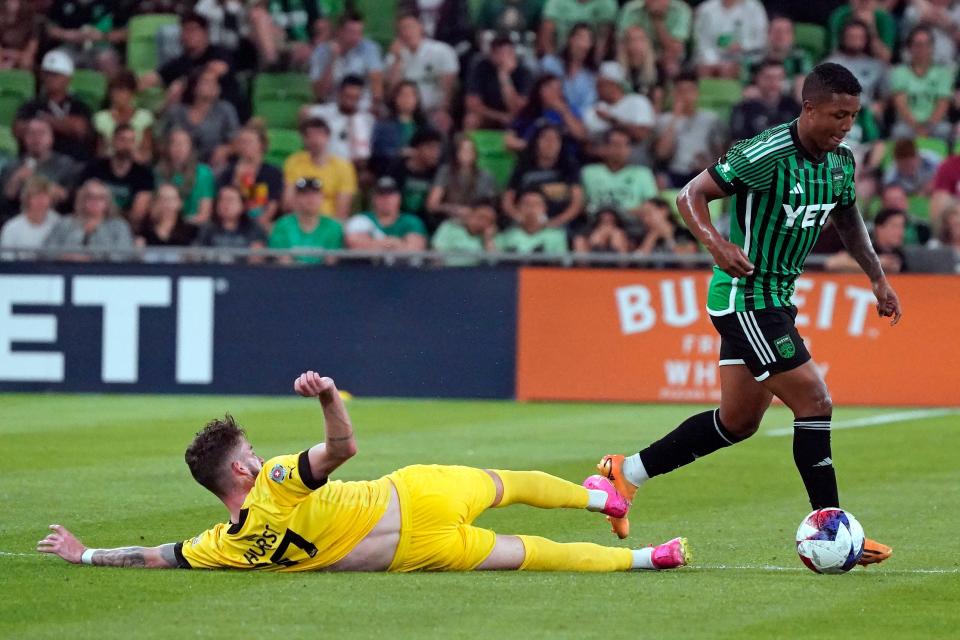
x=873, y=552
x=611, y=467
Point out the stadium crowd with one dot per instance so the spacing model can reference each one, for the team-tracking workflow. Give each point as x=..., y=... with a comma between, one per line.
x=527, y=126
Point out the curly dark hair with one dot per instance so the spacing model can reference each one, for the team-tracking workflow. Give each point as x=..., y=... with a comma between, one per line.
x=209, y=453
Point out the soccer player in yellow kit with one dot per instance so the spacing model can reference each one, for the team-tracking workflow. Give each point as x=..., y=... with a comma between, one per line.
x=286, y=515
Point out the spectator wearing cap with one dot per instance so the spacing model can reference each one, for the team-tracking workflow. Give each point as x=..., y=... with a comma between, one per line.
x=416, y=173
x=38, y=159
x=308, y=225
x=260, y=183
x=666, y=24
x=496, y=89
x=336, y=175
x=36, y=219
x=94, y=224
x=350, y=122
x=348, y=53
x=561, y=17
x=386, y=228
x=20, y=29
x=616, y=108
x=66, y=113
x=576, y=68
x=122, y=109
x=545, y=168
x=129, y=182
x=605, y=235
x=725, y=34
x=687, y=138
x=474, y=232
x=531, y=233
x=770, y=107
x=911, y=169
x=615, y=183
x=921, y=91
x=231, y=227
x=432, y=64
x=210, y=121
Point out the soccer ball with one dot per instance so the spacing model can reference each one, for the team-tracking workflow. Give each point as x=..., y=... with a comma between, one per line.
x=830, y=541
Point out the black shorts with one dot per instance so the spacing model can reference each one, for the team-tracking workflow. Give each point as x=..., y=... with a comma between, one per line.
x=766, y=341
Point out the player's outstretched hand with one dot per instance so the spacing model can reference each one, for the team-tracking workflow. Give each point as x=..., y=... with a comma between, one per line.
x=311, y=385
x=888, y=304
x=62, y=543
x=731, y=259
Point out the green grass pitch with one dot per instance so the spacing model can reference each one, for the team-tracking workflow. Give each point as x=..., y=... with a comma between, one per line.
x=111, y=469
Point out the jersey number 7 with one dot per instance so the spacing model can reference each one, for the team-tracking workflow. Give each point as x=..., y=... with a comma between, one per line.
x=290, y=537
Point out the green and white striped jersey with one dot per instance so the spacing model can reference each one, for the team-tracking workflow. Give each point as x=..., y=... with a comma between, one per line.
x=783, y=196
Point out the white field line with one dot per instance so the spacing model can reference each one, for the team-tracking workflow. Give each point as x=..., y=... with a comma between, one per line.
x=770, y=567
x=22, y=555
x=870, y=421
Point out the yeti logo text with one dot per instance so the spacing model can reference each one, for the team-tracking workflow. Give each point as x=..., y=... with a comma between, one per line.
x=809, y=212
x=120, y=298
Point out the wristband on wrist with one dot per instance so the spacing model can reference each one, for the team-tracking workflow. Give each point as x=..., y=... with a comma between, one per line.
x=87, y=557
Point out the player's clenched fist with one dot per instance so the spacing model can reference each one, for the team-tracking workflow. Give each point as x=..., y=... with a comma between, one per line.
x=732, y=259
x=311, y=384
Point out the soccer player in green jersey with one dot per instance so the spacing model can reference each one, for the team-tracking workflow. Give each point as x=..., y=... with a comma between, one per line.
x=787, y=181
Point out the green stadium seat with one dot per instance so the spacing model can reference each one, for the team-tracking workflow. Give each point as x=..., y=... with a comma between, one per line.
x=142, y=40
x=278, y=97
x=493, y=156
x=719, y=95
x=90, y=86
x=8, y=144
x=812, y=38
x=282, y=142
x=16, y=87
x=379, y=20
x=919, y=207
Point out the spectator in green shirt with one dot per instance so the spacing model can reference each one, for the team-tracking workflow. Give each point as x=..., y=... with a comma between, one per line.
x=921, y=91
x=474, y=233
x=615, y=182
x=307, y=226
x=560, y=16
x=882, y=26
x=531, y=233
x=386, y=228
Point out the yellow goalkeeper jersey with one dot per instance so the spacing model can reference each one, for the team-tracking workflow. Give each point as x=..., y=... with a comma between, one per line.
x=290, y=521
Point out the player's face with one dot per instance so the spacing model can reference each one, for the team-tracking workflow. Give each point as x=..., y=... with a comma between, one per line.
x=832, y=119
x=249, y=459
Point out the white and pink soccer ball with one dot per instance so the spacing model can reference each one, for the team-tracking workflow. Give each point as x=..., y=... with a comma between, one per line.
x=830, y=541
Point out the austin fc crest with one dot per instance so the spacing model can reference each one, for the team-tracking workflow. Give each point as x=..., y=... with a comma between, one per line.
x=785, y=347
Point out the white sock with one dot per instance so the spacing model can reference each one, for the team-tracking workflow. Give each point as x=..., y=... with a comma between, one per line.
x=642, y=558
x=634, y=470
x=596, y=500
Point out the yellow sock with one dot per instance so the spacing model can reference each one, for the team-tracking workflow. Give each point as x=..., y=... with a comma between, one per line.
x=547, y=555
x=539, y=489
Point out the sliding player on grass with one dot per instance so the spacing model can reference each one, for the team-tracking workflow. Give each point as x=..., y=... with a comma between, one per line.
x=286, y=516
x=787, y=181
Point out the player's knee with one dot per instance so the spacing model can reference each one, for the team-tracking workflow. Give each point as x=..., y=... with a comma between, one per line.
x=742, y=427
x=820, y=404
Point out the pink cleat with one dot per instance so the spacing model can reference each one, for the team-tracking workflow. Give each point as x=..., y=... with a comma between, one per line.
x=617, y=506
x=672, y=554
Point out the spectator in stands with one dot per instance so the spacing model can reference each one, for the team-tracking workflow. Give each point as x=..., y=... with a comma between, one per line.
x=473, y=232
x=415, y=174
x=39, y=159
x=90, y=31
x=726, y=33
x=545, y=106
x=351, y=124
x=231, y=227
x=781, y=46
x=309, y=225
x=229, y=28
x=666, y=23
x=880, y=23
x=165, y=227
x=855, y=52
x=575, y=67
x=604, y=235
x=66, y=113
x=517, y=20
x=210, y=121
x=889, y=232
x=869, y=150
x=544, y=167
x=178, y=165
x=616, y=108
x=259, y=183
x=20, y=28
x=561, y=17
x=283, y=30
x=942, y=17
x=921, y=91
x=687, y=138
x=198, y=55
x=948, y=236
x=130, y=183
x=348, y=54
x=496, y=88
x=911, y=169
x=460, y=184
x=432, y=64
x=946, y=189
x=532, y=233
x=616, y=183
x=36, y=220
x=644, y=76
x=662, y=233
x=444, y=20
x=95, y=223
x=392, y=135
x=336, y=175
x=771, y=106
x=386, y=228
x=122, y=109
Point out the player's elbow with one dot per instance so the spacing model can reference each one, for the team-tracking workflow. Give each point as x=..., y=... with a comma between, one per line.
x=344, y=451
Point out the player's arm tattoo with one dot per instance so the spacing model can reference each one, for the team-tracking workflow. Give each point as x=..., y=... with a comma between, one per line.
x=162, y=557
x=853, y=232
